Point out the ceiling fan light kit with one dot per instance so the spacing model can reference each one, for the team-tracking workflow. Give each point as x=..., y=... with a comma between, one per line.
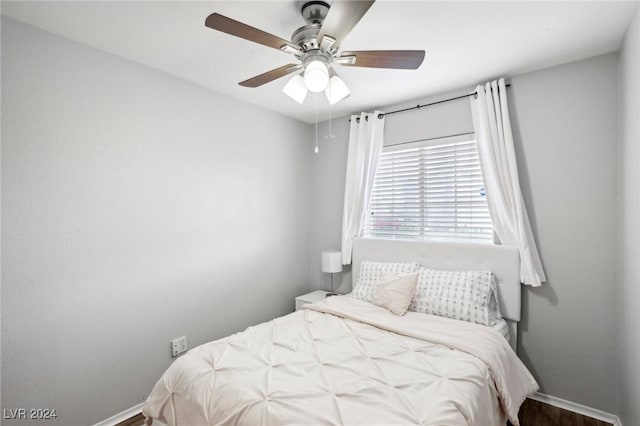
x=316, y=47
x=334, y=88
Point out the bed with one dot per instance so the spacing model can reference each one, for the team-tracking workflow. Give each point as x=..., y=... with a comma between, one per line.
x=348, y=361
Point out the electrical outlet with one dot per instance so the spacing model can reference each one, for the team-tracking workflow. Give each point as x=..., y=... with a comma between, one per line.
x=178, y=346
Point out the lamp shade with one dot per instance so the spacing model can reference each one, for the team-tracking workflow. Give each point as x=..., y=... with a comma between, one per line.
x=331, y=261
x=296, y=89
x=336, y=90
x=316, y=76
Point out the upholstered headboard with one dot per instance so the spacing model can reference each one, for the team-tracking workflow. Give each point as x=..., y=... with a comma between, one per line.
x=503, y=261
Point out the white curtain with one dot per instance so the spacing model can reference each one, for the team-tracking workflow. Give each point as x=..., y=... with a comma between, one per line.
x=365, y=146
x=498, y=162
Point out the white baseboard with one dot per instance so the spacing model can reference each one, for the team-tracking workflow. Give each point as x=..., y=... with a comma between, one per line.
x=577, y=408
x=120, y=417
x=540, y=397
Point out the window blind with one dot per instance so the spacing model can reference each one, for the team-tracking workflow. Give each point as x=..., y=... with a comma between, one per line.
x=430, y=191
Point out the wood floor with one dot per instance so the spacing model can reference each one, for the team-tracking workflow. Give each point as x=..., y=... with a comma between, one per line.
x=532, y=413
x=137, y=420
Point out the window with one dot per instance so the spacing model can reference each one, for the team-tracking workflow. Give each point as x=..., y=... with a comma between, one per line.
x=430, y=190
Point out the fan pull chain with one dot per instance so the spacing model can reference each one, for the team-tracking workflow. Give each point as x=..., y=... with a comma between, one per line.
x=316, y=150
x=330, y=135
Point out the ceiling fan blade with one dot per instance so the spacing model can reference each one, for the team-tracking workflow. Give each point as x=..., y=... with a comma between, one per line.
x=398, y=59
x=269, y=76
x=343, y=15
x=247, y=32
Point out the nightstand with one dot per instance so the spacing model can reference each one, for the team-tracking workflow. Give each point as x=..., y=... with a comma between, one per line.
x=314, y=296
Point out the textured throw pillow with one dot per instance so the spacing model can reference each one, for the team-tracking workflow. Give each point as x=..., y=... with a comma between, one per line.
x=462, y=295
x=371, y=273
x=395, y=292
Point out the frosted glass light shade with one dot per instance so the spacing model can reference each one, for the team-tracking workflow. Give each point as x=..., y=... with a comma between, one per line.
x=331, y=261
x=296, y=89
x=316, y=76
x=337, y=90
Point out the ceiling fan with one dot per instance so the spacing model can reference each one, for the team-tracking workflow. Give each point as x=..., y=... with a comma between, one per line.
x=316, y=46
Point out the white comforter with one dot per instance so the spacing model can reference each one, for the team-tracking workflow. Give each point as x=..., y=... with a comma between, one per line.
x=344, y=361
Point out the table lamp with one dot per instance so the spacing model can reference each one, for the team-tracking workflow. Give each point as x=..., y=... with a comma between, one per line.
x=331, y=263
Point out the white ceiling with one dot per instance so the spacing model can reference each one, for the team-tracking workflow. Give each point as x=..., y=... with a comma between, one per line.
x=466, y=42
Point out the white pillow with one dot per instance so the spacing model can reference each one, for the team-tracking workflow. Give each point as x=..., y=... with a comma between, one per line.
x=371, y=273
x=395, y=292
x=462, y=295
x=502, y=327
x=494, y=307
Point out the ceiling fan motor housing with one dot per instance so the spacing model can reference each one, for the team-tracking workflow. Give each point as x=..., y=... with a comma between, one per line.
x=306, y=37
x=314, y=12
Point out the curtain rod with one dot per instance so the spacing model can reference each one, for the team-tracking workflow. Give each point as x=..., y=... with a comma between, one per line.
x=431, y=103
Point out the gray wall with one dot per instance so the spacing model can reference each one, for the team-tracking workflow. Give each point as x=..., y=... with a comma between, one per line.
x=327, y=188
x=629, y=225
x=136, y=208
x=564, y=120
